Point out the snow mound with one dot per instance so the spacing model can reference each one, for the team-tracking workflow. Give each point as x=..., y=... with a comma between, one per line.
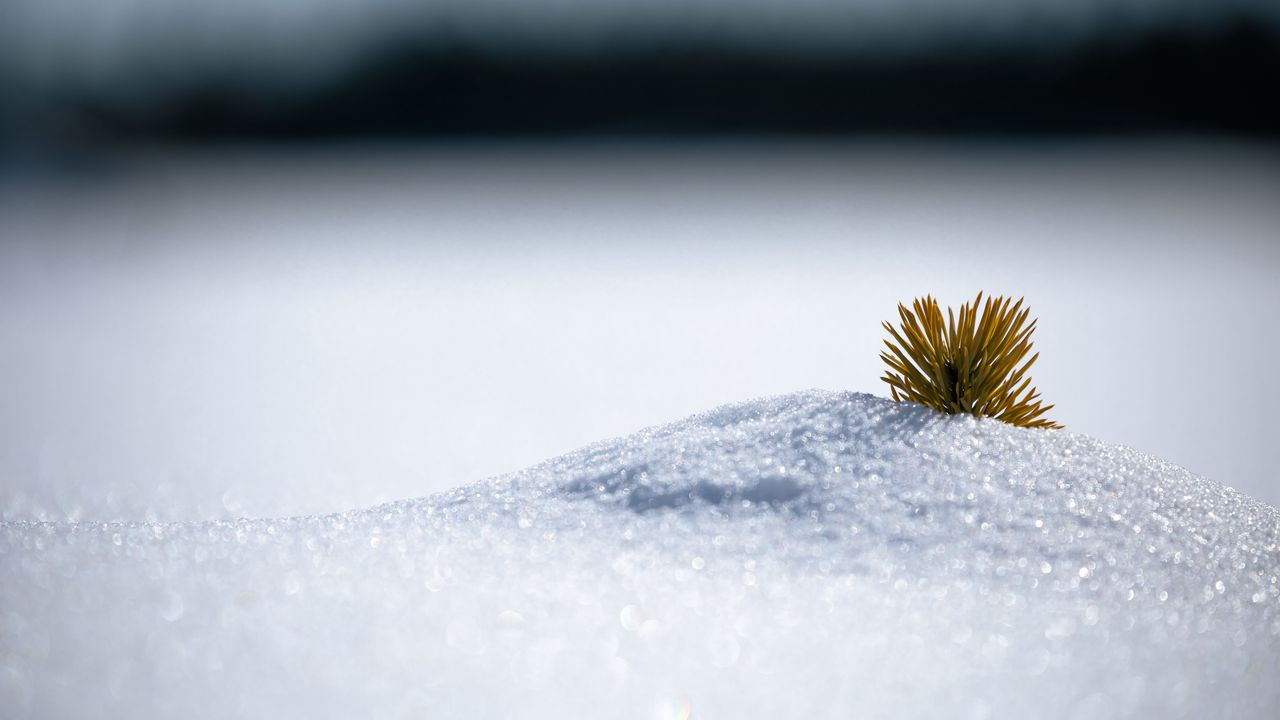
x=813, y=555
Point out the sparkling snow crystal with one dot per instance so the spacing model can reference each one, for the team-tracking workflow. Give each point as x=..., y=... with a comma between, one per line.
x=814, y=555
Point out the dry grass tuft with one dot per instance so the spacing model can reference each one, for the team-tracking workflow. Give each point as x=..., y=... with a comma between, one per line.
x=974, y=365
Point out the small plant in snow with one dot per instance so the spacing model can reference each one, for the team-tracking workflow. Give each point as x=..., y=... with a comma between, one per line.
x=972, y=365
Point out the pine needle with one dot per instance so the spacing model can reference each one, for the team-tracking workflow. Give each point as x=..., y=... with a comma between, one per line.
x=968, y=362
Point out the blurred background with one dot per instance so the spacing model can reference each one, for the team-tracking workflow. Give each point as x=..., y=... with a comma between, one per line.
x=289, y=256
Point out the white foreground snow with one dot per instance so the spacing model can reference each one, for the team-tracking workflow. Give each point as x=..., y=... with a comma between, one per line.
x=812, y=555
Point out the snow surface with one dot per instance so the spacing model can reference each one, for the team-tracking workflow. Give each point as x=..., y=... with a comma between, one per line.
x=812, y=555
x=253, y=332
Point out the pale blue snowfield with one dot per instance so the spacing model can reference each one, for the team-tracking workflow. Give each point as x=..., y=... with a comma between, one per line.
x=189, y=341
x=810, y=555
x=255, y=333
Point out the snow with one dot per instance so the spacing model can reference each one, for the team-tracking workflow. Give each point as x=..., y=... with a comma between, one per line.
x=811, y=555
x=254, y=332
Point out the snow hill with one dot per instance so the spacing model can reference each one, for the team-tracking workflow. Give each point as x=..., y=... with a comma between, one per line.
x=813, y=555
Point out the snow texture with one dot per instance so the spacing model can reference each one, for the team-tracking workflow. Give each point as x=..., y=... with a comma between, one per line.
x=813, y=555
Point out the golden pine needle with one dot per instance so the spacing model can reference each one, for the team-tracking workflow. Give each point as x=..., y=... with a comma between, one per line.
x=970, y=365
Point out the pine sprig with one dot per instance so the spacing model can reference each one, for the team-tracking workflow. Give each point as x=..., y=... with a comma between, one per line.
x=974, y=365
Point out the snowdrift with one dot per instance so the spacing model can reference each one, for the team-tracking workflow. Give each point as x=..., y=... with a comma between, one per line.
x=814, y=555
